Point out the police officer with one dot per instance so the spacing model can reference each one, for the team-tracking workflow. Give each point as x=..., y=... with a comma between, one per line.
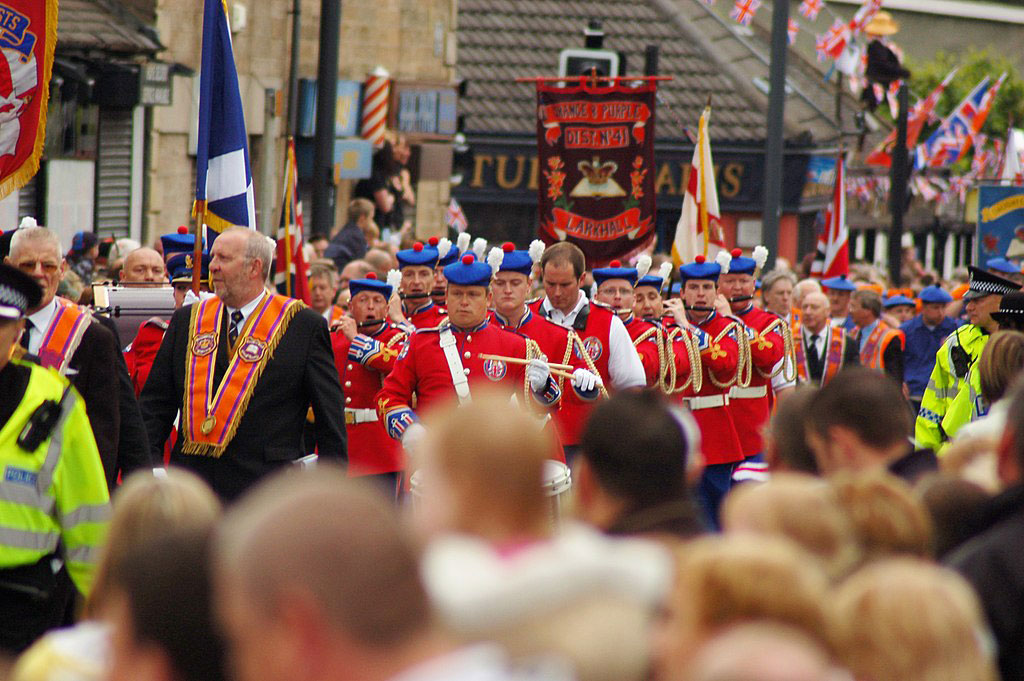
x=925, y=334
x=55, y=502
x=956, y=356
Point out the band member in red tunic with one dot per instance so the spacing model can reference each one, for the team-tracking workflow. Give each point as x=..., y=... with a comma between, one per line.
x=766, y=332
x=446, y=255
x=467, y=351
x=681, y=342
x=724, y=364
x=417, y=267
x=511, y=285
x=365, y=347
x=615, y=290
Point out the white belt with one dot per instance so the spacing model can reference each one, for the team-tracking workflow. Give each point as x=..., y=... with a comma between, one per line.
x=748, y=393
x=707, y=402
x=353, y=416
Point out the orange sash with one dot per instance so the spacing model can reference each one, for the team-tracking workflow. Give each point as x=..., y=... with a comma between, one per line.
x=211, y=416
x=63, y=335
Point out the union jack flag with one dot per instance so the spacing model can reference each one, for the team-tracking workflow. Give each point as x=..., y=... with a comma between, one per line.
x=864, y=15
x=832, y=43
x=455, y=218
x=744, y=10
x=953, y=137
x=810, y=9
x=792, y=30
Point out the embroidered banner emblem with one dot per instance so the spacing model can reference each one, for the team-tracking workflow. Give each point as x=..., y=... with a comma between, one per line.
x=204, y=344
x=494, y=369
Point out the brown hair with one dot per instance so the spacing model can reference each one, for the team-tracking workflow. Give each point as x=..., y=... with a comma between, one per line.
x=565, y=252
x=869, y=300
x=1000, y=363
x=358, y=208
x=909, y=620
x=886, y=516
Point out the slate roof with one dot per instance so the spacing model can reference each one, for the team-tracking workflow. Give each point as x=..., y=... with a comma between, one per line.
x=500, y=40
x=103, y=25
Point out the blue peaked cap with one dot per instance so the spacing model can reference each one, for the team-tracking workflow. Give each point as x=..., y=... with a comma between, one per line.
x=179, y=267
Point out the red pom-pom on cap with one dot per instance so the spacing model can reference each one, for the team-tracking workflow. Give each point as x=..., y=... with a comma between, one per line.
x=467, y=259
x=433, y=241
x=736, y=252
x=508, y=247
x=182, y=229
x=371, y=275
x=615, y=263
x=418, y=247
x=699, y=259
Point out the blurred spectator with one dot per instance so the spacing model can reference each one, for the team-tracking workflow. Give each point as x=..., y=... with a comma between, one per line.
x=953, y=505
x=857, y=423
x=162, y=612
x=323, y=289
x=319, y=243
x=798, y=507
x=497, y=571
x=887, y=519
x=146, y=507
x=761, y=651
x=386, y=187
x=144, y=265
x=637, y=484
x=357, y=269
x=785, y=441
x=81, y=257
x=317, y=581
x=802, y=288
x=908, y=620
x=727, y=580
x=777, y=292
x=350, y=242
x=993, y=561
x=382, y=261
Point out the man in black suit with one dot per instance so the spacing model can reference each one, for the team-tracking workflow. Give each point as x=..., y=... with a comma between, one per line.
x=89, y=356
x=817, y=336
x=242, y=428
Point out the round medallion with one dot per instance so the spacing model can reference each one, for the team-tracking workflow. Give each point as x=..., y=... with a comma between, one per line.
x=208, y=423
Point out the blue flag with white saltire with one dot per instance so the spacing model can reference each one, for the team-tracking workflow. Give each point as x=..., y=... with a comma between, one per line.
x=223, y=178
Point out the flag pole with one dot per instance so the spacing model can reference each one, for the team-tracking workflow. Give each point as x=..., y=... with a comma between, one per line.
x=702, y=189
x=199, y=213
x=288, y=222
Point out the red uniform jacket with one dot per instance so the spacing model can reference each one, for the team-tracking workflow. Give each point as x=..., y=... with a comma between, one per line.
x=362, y=365
x=427, y=317
x=422, y=369
x=649, y=349
x=719, y=440
x=140, y=354
x=555, y=342
x=751, y=406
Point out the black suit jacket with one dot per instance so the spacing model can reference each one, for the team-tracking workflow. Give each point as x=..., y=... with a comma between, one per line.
x=93, y=370
x=851, y=357
x=269, y=436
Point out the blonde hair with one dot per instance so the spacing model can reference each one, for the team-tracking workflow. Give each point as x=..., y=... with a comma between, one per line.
x=146, y=505
x=726, y=580
x=908, y=620
x=886, y=516
x=801, y=508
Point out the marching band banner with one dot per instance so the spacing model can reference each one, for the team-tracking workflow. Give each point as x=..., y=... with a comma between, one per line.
x=28, y=36
x=596, y=151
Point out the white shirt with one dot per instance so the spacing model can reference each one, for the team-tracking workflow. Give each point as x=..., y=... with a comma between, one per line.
x=624, y=365
x=246, y=310
x=819, y=343
x=40, y=319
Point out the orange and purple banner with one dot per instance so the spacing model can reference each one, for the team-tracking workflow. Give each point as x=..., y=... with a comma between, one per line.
x=28, y=36
x=596, y=151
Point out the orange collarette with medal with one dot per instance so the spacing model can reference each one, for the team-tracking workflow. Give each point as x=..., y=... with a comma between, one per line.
x=212, y=413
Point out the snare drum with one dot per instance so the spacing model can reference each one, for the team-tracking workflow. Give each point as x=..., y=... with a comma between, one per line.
x=128, y=306
x=557, y=483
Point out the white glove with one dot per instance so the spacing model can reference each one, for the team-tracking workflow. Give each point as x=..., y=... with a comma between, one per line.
x=191, y=297
x=538, y=372
x=412, y=437
x=585, y=381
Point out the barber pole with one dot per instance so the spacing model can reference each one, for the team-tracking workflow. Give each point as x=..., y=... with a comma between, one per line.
x=375, y=106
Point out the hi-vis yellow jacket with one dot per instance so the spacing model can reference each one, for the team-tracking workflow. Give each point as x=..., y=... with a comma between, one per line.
x=947, y=379
x=57, y=494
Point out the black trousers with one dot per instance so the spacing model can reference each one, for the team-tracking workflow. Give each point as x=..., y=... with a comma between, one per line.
x=33, y=600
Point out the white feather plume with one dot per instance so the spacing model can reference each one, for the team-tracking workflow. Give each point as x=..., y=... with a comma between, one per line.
x=479, y=246
x=665, y=272
x=443, y=247
x=394, y=280
x=760, y=256
x=495, y=258
x=536, y=250
x=724, y=259
x=28, y=221
x=462, y=243
x=643, y=266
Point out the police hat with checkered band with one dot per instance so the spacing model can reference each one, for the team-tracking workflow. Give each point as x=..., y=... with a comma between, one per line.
x=984, y=283
x=370, y=283
x=19, y=293
x=179, y=267
x=1011, y=310
x=417, y=256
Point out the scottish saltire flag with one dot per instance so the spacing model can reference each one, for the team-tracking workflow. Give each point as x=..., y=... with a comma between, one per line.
x=953, y=136
x=223, y=179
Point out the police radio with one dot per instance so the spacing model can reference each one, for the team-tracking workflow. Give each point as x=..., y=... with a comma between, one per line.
x=41, y=423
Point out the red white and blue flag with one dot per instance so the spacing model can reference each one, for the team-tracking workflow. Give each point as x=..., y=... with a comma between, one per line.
x=953, y=137
x=744, y=10
x=833, y=256
x=291, y=272
x=810, y=9
x=919, y=114
x=455, y=218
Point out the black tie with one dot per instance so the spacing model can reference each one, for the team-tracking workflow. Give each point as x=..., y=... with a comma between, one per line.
x=236, y=327
x=24, y=336
x=813, y=358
